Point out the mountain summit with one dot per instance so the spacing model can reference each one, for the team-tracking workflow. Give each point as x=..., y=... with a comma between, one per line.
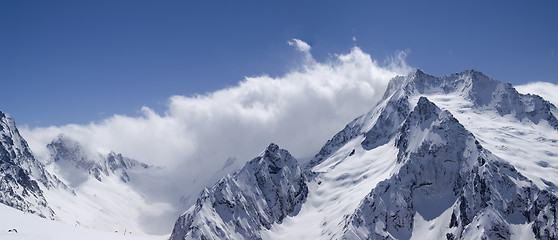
x=77, y=165
x=265, y=191
x=452, y=157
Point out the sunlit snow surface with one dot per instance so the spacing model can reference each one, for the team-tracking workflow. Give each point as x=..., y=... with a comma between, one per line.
x=436, y=228
x=343, y=180
x=30, y=226
x=531, y=148
x=102, y=205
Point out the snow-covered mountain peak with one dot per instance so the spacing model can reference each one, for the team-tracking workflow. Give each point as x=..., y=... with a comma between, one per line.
x=470, y=83
x=416, y=79
x=118, y=161
x=273, y=152
x=502, y=119
x=272, y=147
x=75, y=164
x=277, y=157
x=21, y=174
x=446, y=184
x=425, y=110
x=265, y=191
x=63, y=148
x=483, y=93
x=13, y=142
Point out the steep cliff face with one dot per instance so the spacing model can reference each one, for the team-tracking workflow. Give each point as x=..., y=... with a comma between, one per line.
x=265, y=191
x=21, y=173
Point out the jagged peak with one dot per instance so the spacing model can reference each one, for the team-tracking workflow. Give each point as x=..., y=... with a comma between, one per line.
x=63, y=147
x=473, y=84
x=398, y=82
x=420, y=79
x=122, y=161
x=276, y=156
x=272, y=147
x=426, y=108
x=468, y=72
x=415, y=81
x=419, y=73
x=471, y=72
x=265, y=191
x=62, y=138
x=8, y=122
x=424, y=112
x=474, y=77
x=428, y=124
x=272, y=150
x=6, y=118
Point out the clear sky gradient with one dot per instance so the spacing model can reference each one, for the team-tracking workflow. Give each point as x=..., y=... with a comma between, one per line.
x=80, y=61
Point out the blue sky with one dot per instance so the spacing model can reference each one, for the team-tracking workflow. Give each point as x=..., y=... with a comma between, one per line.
x=80, y=61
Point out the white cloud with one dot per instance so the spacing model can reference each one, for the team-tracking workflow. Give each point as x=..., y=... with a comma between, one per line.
x=299, y=111
x=300, y=45
x=544, y=89
x=304, y=48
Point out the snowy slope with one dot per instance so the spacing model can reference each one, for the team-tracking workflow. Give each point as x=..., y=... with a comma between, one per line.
x=107, y=190
x=335, y=191
x=29, y=226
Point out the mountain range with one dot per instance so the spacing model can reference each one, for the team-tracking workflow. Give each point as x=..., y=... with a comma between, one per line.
x=461, y=156
x=454, y=157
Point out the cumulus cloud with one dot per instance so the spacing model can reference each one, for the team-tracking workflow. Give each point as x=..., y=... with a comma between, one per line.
x=544, y=89
x=198, y=135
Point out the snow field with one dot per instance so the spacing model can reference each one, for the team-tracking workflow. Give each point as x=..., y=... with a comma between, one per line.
x=30, y=227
